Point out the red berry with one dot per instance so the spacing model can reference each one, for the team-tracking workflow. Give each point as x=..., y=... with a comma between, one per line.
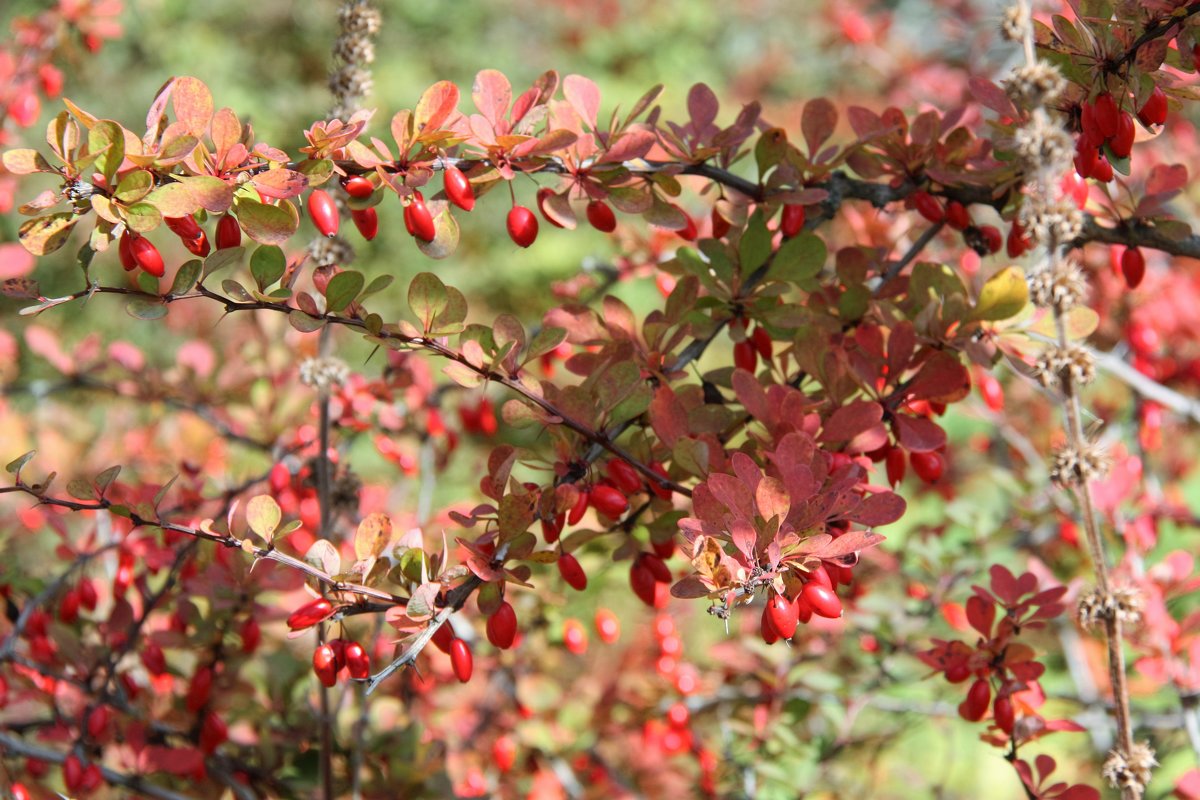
x=792, y=220
x=688, y=232
x=1122, y=142
x=323, y=212
x=198, y=246
x=19, y=792
x=608, y=501
x=574, y=637
x=1154, y=110
x=762, y=342
x=784, y=615
x=958, y=672
x=1103, y=170
x=1090, y=133
x=229, y=233
x=4, y=683
x=73, y=773
x=419, y=220
x=928, y=207
x=458, y=188
x=460, y=660
x=1133, y=266
x=745, y=356
x=324, y=662
x=146, y=255
x=896, y=462
x=68, y=606
x=199, y=689
x=928, y=466
x=125, y=251
x=98, y=720
x=367, y=222
x=991, y=391
x=502, y=625
x=720, y=225
x=339, y=653
x=1086, y=157
x=51, y=78
x=957, y=216
x=443, y=636
x=1002, y=711
x=572, y=572
x=579, y=509
x=25, y=108
x=310, y=614
x=992, y=238
x=552, y=527
x=822, y=600
x=641, y=580
x=251, y=635
x=522, y=226
x=601, y=216
x=504, y=753
x=1107, y=115
x=213, y=732
x=153, y=659
x=608, y=627
x=622, y=473
x=657, y=567
x=358, y=662
x=358, y=187
x=659, y=490
x=184, y=227
x=979, y=697
x=1017, y=242
x=766, y=628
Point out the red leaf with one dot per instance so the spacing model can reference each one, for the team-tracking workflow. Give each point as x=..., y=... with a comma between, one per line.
x=702, y=106
x=584, y=97
x=850, y=420
x=634, y=143
x=919, y=434
x=689, y=588
x=668, y=416
x=817, y=122
x=847, y=543
x=435, y=106
x=942, y=379
x=492, y=93
x=992, y=96
x=879, y=509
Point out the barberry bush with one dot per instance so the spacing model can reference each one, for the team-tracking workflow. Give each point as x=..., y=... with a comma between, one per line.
x=821, y=427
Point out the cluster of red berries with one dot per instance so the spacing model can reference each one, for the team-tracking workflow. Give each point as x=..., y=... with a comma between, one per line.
x=983, y=239
x=782, y=614
x=340, y=656
x=748, y=348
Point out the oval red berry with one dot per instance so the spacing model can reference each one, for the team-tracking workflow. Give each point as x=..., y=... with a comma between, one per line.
x=323, y=212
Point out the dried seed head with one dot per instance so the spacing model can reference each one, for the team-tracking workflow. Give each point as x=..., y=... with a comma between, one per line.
x=1123, y=603
x=325, y=252
x=1015, y=23
x=323, y=373
x=1060, y=364
x=1034, y=85
x=358, y=16
x=356, y=50
x=1059, y=285
x=1073, y=466
x=1130, y=770
x=1050, y=222
x=1043, y=145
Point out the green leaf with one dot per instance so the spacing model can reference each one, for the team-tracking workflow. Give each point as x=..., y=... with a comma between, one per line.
x=267, y=265
x=378, y=284
x=143, y=217
x=267, y=224
x=17, y=463
x=223, y=258
x=343, y=288
x=134, y=186
x=426, y=298
x=81, y=489
x=799, y=259
x=160, y=494
x=141, y=308
x=263, y=516
x=755, y=245
x=462, y=375
x=1003, y=296
x=305, y=323
x=186, y=277
x=546, y=340
x=105, y=478
x=43, y=235
x=107, y=136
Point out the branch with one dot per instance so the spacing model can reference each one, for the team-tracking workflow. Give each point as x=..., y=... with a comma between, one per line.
x=135, y=783
x=1153, y=32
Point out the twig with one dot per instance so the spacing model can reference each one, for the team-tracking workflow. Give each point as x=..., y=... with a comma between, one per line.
x=135, y=783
